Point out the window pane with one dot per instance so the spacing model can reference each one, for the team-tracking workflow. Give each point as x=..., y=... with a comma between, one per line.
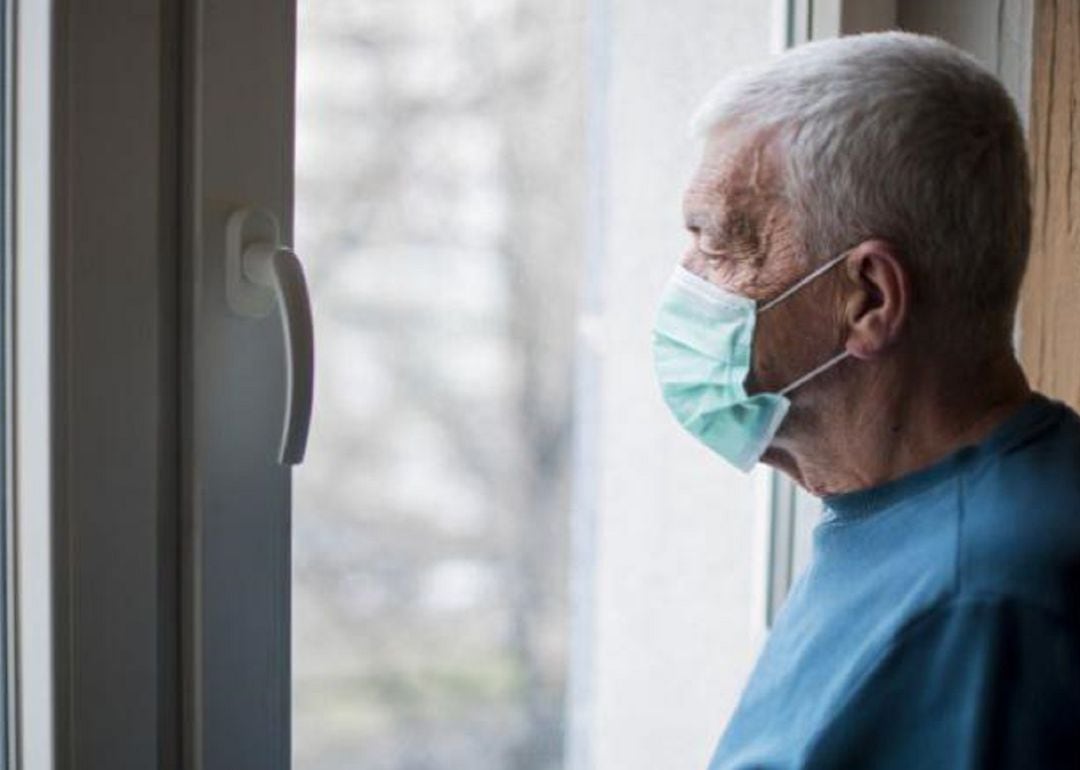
x=439, y=178
x=507, y=555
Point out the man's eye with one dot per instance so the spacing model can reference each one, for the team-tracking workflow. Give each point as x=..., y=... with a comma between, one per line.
x=709, y=246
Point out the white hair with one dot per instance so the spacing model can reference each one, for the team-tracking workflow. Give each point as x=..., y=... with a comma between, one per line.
x=906, y=138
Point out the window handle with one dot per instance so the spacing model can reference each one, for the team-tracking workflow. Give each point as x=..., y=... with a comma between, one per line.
x=261, y=275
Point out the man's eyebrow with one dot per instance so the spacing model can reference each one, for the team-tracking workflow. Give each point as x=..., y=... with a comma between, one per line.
x=699, y=220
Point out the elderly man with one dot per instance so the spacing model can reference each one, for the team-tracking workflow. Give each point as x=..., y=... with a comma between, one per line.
x=844, y=312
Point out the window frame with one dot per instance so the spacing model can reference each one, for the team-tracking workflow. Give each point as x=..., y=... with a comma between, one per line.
x=27, y=499
x=237, y=137
x=134, y=562
x=104, y=300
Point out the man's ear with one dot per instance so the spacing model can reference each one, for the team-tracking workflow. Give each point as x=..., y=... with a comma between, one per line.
x=879, y=298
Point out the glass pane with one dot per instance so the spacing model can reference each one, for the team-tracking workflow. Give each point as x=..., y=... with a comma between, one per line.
x=507, y=555
x=439, y=204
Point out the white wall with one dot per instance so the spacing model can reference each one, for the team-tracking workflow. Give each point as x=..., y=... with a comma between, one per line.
x=678, y=537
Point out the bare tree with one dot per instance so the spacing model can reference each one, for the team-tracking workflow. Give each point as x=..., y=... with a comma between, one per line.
x=439, y=182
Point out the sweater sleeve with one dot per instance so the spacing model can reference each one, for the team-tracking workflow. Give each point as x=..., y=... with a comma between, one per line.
x=977, y=683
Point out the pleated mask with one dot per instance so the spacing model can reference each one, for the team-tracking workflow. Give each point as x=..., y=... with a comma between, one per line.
x=702, y=350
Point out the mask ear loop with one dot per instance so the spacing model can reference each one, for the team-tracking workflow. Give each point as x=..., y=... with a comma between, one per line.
x=804, y=280
x=815, y=372
x=787, y=293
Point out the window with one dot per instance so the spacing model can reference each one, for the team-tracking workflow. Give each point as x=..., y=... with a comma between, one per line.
x=501, y=552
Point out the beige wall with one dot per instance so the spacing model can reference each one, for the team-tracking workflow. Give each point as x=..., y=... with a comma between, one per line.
x=1050, y=304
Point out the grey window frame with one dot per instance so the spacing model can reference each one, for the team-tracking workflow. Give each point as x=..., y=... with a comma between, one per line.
x=152, y=515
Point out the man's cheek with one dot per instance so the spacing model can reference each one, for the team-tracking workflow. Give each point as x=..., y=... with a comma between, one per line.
x=695, y=262
x=765, y=360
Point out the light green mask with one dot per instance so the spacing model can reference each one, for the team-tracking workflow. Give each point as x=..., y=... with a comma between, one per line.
x=702, y=350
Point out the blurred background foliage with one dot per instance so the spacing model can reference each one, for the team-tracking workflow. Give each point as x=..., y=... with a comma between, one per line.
x=439, y=172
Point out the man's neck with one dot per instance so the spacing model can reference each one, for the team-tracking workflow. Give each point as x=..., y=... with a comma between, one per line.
x=899, y=425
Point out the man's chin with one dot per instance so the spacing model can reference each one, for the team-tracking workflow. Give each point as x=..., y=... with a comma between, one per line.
x=769, y=456
x=778, y=458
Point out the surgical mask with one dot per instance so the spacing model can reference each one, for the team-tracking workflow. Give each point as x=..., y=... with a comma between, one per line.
x=702, y=351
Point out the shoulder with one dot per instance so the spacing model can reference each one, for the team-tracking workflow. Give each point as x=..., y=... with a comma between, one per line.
x=971, y=677
x=1019, y=527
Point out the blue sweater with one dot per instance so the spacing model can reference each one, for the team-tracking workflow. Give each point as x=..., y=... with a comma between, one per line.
x=938, y=624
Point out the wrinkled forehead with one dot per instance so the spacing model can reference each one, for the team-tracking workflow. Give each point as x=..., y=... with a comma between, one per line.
x=738, y=169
